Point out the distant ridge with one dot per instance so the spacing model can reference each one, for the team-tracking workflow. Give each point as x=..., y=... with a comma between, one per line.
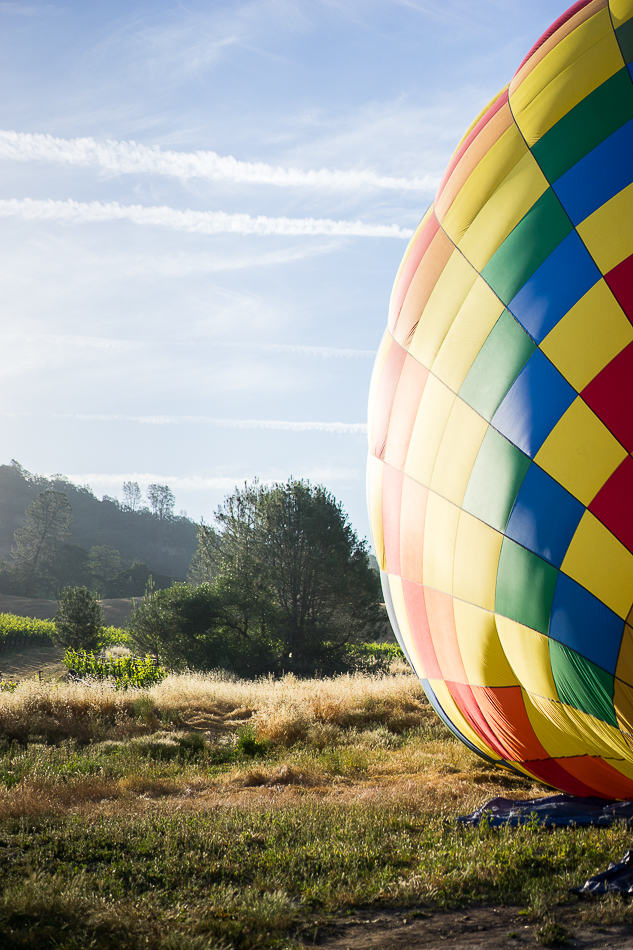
x=166, y=548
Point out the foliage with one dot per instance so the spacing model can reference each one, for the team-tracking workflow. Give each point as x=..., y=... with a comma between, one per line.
x=384, y=652
x=115, y=637
x=162, y=501
x=133, y=531
x=370, y=657
x=79, y=619
x=104, y=563
x=203, y=564
x=148, y=626
x=186, y=627
x=24, y=631
x=36, y=545
x=131, y=495
x=125, y=671
x=249, y=745
x=289, y=572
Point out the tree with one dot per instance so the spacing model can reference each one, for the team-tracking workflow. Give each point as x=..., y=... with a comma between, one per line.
x=104, y=563
x=203, y=564
x=161, y=501
x=131, y=495
x=147, y=624
x=79, y=619
x=185, y=627
x=70, y=568
x=318, y=572
x=288, y=567
x=36, y=544
x=229, y=559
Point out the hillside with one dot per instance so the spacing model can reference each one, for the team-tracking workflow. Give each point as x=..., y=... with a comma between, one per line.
x=166, y=547
x=115, y=610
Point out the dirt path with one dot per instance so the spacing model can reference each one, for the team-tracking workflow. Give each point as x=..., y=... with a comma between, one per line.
x=22, y=664
x=478, y=928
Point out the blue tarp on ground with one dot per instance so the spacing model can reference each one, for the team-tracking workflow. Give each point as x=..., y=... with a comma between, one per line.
x=554, y=811
x=617, y=879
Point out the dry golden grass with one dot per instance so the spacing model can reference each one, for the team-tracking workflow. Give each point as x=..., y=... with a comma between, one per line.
x=356, y=737
x=54, y=712
x=283, y=710
x=346, y=701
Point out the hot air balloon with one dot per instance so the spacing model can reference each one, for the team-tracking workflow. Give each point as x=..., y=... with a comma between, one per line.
x=500, y=476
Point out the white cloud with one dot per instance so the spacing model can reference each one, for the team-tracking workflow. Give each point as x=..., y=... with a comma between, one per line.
x=185, y=265
x=108, y=343
x=338, y=428
x=199, y=222
x=132, y=158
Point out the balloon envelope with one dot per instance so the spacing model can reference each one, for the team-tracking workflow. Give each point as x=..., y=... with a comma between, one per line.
x=500, y=477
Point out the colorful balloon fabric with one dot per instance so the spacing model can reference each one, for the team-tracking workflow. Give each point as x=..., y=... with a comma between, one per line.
x=500, y=476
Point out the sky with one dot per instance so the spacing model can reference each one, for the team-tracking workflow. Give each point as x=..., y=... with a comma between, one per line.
x=203, y=207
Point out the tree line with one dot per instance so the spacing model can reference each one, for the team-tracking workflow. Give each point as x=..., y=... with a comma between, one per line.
x=43, y=561
x=279, y=583
x=142, y=529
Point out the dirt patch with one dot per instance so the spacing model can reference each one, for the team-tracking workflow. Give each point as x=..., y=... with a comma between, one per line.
x=28, y=607
x=31, y=661
x=117, y=610
x=478, y=928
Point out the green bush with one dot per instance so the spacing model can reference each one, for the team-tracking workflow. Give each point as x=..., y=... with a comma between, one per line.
x=188, y=628
x=249, y=745
x=79, y=619
x=115, y=637
x=384, y=651
x=125, y=671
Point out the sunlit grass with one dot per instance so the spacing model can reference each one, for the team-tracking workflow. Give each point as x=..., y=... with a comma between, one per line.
x=207, y=812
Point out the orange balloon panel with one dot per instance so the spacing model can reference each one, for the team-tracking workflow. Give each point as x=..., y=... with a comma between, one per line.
x=501, y=420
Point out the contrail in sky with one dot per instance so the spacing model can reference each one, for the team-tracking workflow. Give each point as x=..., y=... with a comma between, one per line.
x=200, y=222
x=340, y=428
x=112, y=343
x=130, y=157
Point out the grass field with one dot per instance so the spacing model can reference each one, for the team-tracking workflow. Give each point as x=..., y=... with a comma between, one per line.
x=207, y=813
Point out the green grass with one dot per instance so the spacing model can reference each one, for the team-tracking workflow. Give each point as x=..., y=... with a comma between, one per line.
x=260, y=877
x=183, y=825
x=156, y=867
